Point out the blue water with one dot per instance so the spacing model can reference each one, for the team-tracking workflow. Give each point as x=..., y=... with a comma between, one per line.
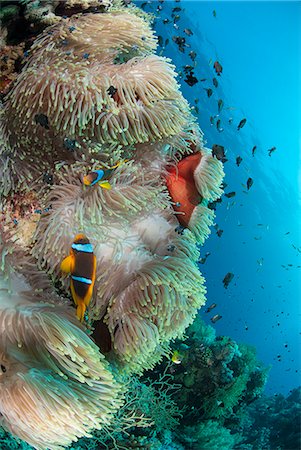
x=259, y=46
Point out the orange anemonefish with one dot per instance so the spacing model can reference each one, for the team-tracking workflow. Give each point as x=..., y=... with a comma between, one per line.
x=98, y=175
x=182, y=188
x=81, y=263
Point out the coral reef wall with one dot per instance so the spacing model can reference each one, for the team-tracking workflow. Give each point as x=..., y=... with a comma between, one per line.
x=93, y=97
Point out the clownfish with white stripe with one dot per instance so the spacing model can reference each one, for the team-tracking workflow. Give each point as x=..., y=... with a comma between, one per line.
x=100, y=176
x=81, y=264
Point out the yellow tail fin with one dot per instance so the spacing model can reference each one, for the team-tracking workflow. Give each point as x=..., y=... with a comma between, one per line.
x=105, y=185
x=80, y=311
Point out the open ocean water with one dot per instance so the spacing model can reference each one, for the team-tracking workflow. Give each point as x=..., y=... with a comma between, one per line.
x=258, y=45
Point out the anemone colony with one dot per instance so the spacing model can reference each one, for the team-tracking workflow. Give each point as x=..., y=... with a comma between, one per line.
x=92, y=93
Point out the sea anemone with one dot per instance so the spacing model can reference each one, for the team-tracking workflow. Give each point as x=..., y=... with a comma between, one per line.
x=148, y=287
x=106, y=88
x=93, y=96
x=55, y=386
x=192, y=183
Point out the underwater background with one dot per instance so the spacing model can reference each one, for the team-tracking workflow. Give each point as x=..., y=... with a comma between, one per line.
x=252, y=260
x=258, y=45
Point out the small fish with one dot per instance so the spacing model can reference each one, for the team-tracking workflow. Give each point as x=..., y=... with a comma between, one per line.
x=214, y=13
x=160, y=41
x=70, y=144
x=249, y=182
x=218, y=126
x=254, y=150
x=113, y=93
x=99, y=176
x=203, y=79
x=95, y=177
x=212, y=120
x=215, y=318
x=218, y=68
x=212, y=205
x=211, y=307
x=176, y=9
x=209, y=92
x=42, y=120
x=188, y=32
x=180, y=229
x=165, y=21
x=191, y=80
x=241, y=124
x=238, y=160
x=192, y=55
x=81, y=264
x=271, y=150
x=220, y=105
x=171, y=247
x=203, y=260
x=166, y=42
x=219, y=232
x=179, y=40
x=219, y=152
x=227, y=279
x=188, y=69
x=176, y=357
x=230, y=194
x=48, y=178
x=230, y=120
x=215, y=82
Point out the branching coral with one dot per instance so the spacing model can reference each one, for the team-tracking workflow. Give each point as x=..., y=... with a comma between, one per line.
x=223, y=376
x=209, y=435
x=149, y=412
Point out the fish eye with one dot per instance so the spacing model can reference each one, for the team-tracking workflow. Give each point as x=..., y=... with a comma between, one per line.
x=3, y=368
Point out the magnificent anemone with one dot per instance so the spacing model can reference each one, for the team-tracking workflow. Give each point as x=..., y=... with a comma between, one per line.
x=148, y=286
x=92, y=95
x=93, y=83
x=55, y=386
